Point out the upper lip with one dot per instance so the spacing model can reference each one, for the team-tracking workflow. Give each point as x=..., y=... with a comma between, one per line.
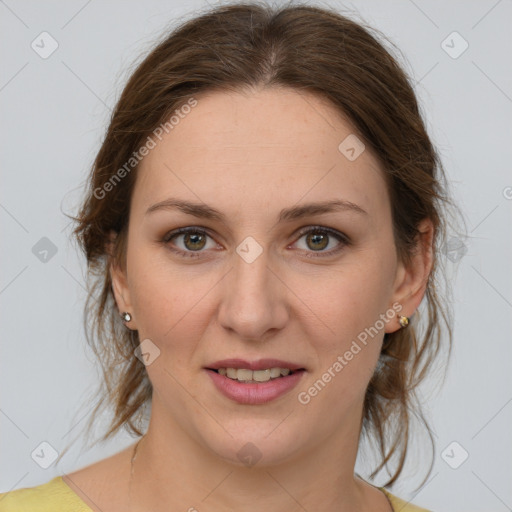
x=260, y=364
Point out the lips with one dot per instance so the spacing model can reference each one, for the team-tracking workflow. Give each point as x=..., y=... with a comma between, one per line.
x=260, y=364
x=251, y=392
x=254, y=393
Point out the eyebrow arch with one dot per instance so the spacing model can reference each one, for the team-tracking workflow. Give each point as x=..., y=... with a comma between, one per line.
x=202, y=210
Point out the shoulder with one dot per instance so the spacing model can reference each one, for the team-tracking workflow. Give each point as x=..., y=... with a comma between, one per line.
x=398, y=504
x=98, y=486
x=52, y=496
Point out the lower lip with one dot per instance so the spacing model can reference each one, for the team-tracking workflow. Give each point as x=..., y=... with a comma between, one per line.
x=254, y=393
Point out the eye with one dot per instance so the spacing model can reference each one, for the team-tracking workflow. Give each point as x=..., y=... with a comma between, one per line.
x=193, y=241
x=317, y=238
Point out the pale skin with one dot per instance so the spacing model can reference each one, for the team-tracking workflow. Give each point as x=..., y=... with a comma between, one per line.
x=249, y=156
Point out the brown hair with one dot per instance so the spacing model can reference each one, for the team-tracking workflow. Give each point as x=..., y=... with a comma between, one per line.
x=307, y=49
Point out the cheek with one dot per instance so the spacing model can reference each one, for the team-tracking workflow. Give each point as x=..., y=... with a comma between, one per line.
x=353, y=306
x=349, y=300
x=169, y=302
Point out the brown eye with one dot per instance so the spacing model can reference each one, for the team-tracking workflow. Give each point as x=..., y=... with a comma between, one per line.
x=194, y=241
x=187, y=241
x=317, y=241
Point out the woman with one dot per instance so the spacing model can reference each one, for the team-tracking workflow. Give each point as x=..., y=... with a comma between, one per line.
x=262, y=223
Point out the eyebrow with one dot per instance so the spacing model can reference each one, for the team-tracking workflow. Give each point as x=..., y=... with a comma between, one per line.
x=202, y=210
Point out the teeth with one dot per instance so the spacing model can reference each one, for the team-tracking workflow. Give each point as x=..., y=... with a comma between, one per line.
x=275, y=372
x=244, y=375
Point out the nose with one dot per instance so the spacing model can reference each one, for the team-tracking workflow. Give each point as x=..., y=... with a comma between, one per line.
x=254, y=298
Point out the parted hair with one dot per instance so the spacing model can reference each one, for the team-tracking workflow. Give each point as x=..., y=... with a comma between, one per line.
x=309, y=49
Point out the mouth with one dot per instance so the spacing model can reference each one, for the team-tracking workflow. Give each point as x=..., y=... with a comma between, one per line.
x=254, y=383
x=246, y=375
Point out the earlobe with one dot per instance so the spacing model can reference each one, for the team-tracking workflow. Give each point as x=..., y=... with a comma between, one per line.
x=412, y=279
x=122, y=296
x=120, y=288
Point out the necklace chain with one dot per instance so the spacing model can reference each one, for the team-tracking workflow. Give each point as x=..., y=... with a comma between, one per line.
x=132, y=467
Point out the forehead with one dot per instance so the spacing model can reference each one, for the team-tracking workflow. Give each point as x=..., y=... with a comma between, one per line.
x=260, y=148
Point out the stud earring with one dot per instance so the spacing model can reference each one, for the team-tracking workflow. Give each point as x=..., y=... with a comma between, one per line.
x=126, y=316
x=404, y=321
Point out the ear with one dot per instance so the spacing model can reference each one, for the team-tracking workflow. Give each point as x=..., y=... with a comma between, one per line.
x=411, y=279
x=120, y=283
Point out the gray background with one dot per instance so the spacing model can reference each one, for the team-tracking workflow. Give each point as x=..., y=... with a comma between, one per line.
x=53, y=114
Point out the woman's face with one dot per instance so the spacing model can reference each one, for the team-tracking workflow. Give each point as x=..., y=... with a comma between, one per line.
x=258, y=281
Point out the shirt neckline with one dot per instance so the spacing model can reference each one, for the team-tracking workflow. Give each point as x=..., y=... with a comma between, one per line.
x=80, y=501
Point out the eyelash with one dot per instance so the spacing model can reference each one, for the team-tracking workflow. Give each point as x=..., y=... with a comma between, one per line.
x=345, y=241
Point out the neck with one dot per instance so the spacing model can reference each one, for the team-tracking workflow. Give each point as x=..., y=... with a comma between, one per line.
x=172, y=470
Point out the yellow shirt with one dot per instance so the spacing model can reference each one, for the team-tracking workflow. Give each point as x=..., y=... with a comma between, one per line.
x=57, y=496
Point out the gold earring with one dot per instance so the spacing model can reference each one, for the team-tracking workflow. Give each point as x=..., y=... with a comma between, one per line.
x=404, y=321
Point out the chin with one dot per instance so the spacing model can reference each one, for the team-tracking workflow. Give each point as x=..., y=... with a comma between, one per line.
x=256, y=448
